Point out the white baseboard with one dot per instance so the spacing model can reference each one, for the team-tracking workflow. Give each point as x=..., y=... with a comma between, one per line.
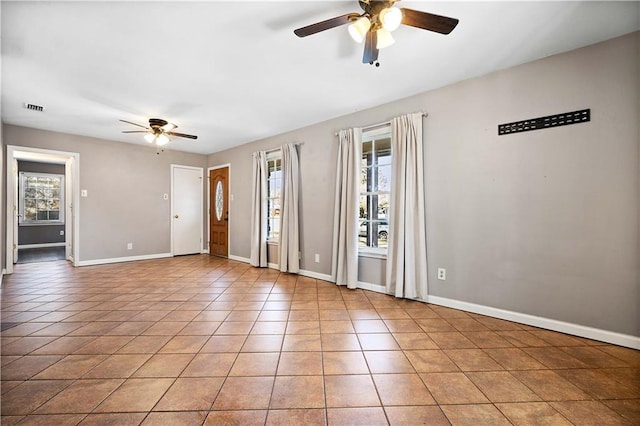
x=546, y=323
x=532, y=320
x=123, y=259
x=239, y=259
x=204, y=251
x=373, y=287
x=44, y=245
x=316, y=275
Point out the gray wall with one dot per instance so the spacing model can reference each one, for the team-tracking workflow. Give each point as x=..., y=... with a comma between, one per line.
x=40, y=234
x=543, y=223
x=125, y=185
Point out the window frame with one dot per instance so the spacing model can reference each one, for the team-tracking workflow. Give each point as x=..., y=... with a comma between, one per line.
x=274, y=158
x=382, y=131
x=22, y=221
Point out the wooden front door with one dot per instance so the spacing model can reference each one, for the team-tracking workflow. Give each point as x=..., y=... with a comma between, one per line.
x=219, y=212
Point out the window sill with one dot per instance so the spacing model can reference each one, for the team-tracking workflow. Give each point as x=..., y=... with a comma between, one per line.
x=40, y=223
x=273, y=243
x=372, y=253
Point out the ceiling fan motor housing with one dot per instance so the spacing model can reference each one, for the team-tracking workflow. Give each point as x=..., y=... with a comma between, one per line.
x=157, y=123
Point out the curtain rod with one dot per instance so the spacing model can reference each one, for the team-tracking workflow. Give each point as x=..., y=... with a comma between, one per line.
x=384, y=123
x=278, y=149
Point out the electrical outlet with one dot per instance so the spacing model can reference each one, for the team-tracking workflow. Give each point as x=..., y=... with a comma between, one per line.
x=165, y=196
x=317, y=258
x=84, y=193
x=442, y=274
x=129, y=246
x=61, y=232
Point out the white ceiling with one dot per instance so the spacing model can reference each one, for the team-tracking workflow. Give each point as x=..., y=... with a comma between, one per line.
x=234, y=72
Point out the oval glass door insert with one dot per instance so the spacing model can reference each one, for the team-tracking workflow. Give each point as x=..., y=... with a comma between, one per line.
x=219, y=200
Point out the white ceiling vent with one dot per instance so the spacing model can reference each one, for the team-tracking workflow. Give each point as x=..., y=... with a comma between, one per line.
x=34, y=107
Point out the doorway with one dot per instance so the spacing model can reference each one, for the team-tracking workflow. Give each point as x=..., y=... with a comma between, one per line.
x=186, y=210
x=219, y=211
x=69, y=163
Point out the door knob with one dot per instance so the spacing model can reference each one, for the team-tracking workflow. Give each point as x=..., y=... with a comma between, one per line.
x=176, y=216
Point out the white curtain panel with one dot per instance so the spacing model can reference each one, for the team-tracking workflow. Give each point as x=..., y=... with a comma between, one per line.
x=289, y=235
x=259, y=210
x=344, y=269
x=407, y=250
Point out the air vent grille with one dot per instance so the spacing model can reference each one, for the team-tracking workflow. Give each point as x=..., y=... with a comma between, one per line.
x=573, y=117
x=34, y=107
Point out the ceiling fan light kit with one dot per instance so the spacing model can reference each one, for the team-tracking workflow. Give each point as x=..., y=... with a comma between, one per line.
x=158, y=132
x=375, y=24
x=358, y=30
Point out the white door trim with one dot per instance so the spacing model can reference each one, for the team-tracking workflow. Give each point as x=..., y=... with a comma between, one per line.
x=71, y=160
x=209, y=207
x=200, y=169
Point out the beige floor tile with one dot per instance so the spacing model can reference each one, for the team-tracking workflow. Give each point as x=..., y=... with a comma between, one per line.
x=532, y=413
x=302, y=343
x=388, y=362
x=416, y=415
x=453, y=388
x=472, y=360
x=190, y=394
x=82, y=396
x=26, y=397
x=244, y=393
x=476, y=414
x=378, y=342
x=431, y=361
x=369, y=416
x=549, y=385
x=246, y=417
x=298, y=392
x=402, y=389
x=255, y=364
x=298, y=416
x=501, y=386
x=300, y=364
x=164, y=365
x=344, y=363
x=351, y=391
x=178, y=418
x=588, y=413
x=263, y=343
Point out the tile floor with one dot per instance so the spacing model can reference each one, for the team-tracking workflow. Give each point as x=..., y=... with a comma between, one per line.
x=199, y=340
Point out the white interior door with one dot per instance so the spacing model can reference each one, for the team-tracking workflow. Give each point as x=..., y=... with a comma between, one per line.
x=186, y=210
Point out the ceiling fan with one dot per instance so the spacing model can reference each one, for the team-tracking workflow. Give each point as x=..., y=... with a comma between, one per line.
x=158, y=131
x=375, y=24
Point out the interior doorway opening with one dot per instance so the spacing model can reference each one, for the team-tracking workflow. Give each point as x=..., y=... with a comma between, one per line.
x=67, y=166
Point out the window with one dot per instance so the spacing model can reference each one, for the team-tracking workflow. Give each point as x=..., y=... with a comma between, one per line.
x=375, y=187
x=41, y=198
x=274, y=191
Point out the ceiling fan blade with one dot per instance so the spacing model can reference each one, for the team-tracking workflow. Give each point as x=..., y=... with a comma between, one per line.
x=370, y=49
x=135, y=131
x=428, y=21
x=325, y=25
x=169, y=127
x=181, y=135
x=135, y=124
